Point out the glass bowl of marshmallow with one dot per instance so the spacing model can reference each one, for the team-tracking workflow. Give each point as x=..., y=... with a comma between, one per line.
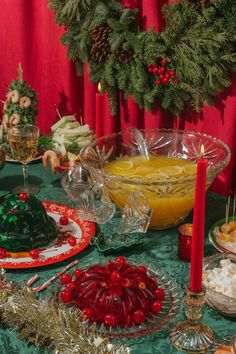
x=219, y=278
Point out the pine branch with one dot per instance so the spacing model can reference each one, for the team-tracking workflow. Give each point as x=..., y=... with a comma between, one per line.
x=198, y=43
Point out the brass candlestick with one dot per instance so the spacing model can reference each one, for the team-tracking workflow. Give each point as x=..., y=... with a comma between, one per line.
x=191, y=335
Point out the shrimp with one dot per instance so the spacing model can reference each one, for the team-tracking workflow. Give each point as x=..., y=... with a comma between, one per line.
x=1, y=135
x=5, y=120
x=54, y=160
x=13, y=96
x=25, y=102
x=14, y=119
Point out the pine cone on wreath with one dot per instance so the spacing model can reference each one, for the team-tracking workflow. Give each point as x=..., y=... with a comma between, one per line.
x=124, y=56
x=100, y=50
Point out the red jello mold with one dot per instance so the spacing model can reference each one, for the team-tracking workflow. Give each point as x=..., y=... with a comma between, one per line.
x=116, y=294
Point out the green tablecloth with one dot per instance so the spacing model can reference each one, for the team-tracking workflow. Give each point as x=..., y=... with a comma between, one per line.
x=161, y=247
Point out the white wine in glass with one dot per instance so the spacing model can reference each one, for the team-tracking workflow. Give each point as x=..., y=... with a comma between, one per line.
x=23, y=141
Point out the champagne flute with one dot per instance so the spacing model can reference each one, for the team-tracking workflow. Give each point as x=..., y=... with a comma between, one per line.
x=23, y=141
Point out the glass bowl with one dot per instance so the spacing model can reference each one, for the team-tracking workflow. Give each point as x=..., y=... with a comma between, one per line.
x=170, y=195
x=224, y=304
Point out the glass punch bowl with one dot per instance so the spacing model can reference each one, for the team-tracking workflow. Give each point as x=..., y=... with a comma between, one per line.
x=170, y=194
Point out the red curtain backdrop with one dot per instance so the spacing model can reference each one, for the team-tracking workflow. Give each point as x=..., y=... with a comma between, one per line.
x=30, y=35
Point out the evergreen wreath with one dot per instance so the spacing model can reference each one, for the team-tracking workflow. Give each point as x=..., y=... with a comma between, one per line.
x=186, y=64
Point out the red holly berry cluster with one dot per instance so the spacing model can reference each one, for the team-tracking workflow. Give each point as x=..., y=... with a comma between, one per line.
x=115, y=295
x=163, y=75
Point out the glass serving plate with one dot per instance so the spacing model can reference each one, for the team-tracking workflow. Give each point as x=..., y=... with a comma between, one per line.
x=114, y=242
x=153, y=323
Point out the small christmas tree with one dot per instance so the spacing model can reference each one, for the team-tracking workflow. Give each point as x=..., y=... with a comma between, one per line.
x=21, y=105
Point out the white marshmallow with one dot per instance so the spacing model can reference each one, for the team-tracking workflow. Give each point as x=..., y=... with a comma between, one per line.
x=222, y=280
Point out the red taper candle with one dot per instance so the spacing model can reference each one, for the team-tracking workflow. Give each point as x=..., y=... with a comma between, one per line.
x=197, y=251
x=99, y=130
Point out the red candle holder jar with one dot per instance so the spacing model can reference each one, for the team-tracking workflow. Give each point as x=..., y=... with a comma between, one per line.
x=185, y=242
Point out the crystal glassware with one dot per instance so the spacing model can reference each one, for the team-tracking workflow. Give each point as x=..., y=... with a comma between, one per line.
x=90, y=199
x=169, y=194
x=223, y=304
x=23, y=141
x=191, y=335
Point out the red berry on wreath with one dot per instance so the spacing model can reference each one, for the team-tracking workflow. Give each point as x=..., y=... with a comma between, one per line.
x=70, y=286
x=78, y=272
x=158, y=82
x=162, y=77
x=156, y=307
x=72, y=241
x=172, y=73
x=163, y=62
x=175, y=80
x=138, y=317
x=150, y=70
x=64, y=220
x=165, y=80
x=110, y=320
x=120, y=259
x=160, y=294
x=162, y=70
x=23, y=197
x=34, y=254
x=66, y=278
x=65, y=296
x=3, y=253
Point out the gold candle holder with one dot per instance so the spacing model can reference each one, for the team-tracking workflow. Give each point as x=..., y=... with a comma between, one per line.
x=191, y=335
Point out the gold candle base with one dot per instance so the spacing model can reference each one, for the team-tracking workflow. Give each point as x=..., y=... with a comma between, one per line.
x=191, y=335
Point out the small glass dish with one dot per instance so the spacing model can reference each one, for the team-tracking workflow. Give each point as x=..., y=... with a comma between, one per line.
x=224, y=304
x=114, y=242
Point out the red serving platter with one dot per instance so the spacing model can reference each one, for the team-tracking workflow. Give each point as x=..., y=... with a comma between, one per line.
x=82, y=230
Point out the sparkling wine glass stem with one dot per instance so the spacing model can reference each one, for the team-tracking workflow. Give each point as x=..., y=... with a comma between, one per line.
x=25, y=174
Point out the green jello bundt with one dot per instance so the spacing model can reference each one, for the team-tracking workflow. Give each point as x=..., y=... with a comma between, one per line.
x=24, y=223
